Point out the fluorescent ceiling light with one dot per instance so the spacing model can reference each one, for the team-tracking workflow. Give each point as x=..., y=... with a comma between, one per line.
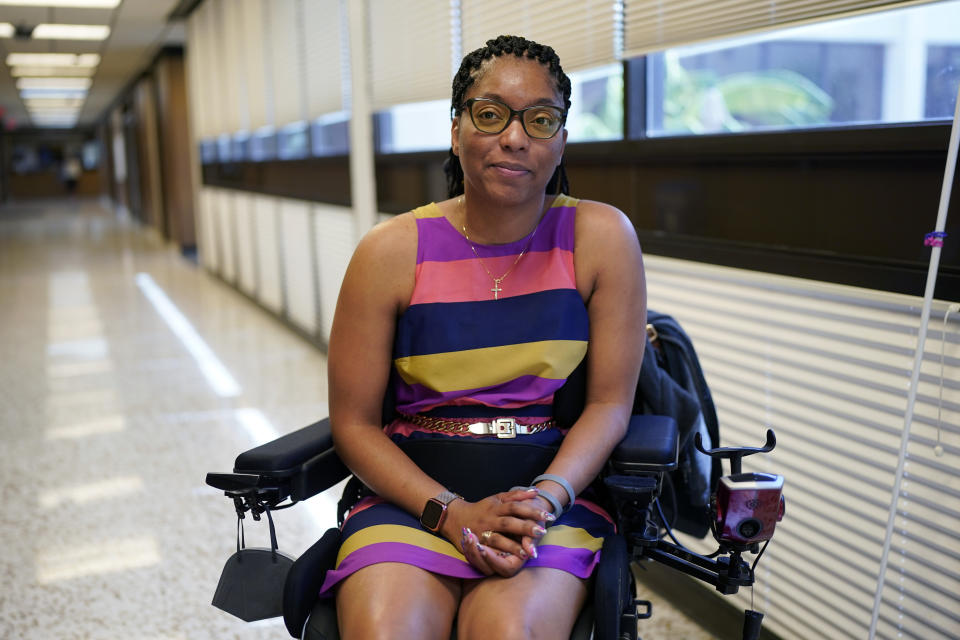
x=30, y=94
x=59, y=103
x=6, y=30
x=86, y=4
x=70, y=32
x=37, y=72
x=54, y=111
x=54, y=83
x=53, y=59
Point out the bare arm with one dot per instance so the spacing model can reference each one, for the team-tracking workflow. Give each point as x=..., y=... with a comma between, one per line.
x=610, y=277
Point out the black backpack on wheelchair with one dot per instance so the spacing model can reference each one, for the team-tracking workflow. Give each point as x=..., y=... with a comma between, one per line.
x=259, y=583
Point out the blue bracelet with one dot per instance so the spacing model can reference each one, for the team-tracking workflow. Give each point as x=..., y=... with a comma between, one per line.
x=571, y=496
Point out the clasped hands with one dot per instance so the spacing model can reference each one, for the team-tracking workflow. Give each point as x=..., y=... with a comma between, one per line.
x=498, y=534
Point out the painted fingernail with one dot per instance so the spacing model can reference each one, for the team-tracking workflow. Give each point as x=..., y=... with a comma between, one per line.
x=465, y=532
x=504, y=554
x=533, y=552
x=539, y=531
x=532, y=490
x=482, y=550
x=546, y=515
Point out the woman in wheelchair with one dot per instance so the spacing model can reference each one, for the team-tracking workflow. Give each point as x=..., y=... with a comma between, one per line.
x=476, y=310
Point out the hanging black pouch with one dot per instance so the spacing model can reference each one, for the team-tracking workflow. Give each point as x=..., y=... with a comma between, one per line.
x=251, y=585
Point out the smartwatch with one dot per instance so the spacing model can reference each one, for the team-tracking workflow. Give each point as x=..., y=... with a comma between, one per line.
x=435, y=511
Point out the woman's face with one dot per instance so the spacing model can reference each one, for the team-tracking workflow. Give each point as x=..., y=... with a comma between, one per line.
x=510, y=165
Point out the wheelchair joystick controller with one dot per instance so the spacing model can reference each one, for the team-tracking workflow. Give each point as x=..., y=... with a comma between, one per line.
x=744, y=511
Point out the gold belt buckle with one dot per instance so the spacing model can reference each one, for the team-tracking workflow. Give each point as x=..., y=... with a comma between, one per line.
x=505, y=427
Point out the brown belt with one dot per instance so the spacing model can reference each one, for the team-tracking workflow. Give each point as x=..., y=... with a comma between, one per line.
x=500, y=427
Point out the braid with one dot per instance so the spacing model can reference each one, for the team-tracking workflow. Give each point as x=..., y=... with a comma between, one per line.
x=467, y=74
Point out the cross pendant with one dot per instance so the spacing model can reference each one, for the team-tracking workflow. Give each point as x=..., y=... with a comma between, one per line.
x=496, y=288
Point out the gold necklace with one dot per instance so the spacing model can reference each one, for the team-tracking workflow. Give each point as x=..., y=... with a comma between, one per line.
x=496, y=281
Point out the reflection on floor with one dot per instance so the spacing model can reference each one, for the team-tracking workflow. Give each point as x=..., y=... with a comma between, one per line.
x=127, y=374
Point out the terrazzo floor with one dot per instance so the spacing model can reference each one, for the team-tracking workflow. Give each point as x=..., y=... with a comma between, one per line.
x=110, y=417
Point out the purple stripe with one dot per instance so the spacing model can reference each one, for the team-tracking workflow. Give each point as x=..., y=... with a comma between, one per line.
x=579, y=562
x=398, y=552
x=439, y=241
x=414, y=398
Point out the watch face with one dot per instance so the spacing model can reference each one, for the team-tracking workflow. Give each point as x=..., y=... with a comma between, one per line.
x=432, y=514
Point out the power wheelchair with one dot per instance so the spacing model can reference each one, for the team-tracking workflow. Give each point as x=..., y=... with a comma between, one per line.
x=301, y=464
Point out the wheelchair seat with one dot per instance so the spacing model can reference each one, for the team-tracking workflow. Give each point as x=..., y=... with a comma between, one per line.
x=303, y=463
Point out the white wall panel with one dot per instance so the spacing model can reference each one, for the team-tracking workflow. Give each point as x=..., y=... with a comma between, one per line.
x=246, y=258
x=226, y=235
x=270, y=291
x=828, y=368
x=233, y=67
x=334, y=247
x=208, y=241
x=298, y=269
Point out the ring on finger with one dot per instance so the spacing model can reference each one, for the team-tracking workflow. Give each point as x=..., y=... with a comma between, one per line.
x=485, y=536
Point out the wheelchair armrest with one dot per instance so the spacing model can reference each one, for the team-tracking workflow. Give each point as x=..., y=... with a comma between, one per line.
x=299, y=465
x=650, y=446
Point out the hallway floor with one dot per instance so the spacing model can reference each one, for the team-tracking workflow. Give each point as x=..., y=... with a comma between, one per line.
x=127, y=373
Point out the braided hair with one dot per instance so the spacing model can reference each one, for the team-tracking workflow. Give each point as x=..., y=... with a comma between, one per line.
x=467, y=74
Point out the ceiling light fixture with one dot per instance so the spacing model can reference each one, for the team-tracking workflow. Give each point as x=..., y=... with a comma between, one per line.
x=82, y=4
x=53, y=59
x=30, y=94
x=67, y=84
x=6, y=30
x=70, y=32
x=34, y=72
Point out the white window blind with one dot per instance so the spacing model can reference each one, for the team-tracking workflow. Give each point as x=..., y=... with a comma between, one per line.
x=236, y=107
x=195, y=83
x=651, y=25
x=254, y=59
x=582, y=32
x=286, y=62
x=410, y=45
x=323, y=48
x=828, y=368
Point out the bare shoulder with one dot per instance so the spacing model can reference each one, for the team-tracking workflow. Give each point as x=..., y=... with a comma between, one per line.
x=385, y=259
x=605, y=243
x=601, y=222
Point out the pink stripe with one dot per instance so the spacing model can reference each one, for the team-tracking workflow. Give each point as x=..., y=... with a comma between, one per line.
x=592, y=506
x=519, y=392
x=458, y=281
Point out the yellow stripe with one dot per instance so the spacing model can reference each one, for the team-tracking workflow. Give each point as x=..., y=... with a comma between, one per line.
x=396, y=533
x=572, y=538
x=428, y=211
x=565, y=201
x=487, y=366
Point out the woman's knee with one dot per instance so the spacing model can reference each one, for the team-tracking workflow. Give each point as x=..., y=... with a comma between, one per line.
x=396, y=601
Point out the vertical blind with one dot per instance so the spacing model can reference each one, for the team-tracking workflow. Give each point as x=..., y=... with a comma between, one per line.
x=828, y=368
x=651, y=25
x=410, y=45
x=580, y=31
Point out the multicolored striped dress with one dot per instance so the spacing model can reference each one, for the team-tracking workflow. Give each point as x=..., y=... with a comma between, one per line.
x=463, y=351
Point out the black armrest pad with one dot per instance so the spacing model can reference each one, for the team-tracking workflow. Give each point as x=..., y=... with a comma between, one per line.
x=305, y=456
x=651, y=445
x=285, y=454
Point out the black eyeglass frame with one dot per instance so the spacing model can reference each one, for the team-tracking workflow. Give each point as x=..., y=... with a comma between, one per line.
x=468, y=104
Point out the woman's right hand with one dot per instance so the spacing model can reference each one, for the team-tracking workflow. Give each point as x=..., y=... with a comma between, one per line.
x=514, y=522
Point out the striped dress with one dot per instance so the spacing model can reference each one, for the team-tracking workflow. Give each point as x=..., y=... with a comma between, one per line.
x=461, y=354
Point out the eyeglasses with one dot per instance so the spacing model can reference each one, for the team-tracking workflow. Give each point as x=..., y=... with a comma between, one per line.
x=492, y=116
